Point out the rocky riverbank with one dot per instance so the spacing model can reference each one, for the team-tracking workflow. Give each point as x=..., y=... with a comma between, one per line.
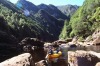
x=83, y=58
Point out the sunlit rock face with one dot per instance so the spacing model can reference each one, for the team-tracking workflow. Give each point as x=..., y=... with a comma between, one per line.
x=97, y=64
x=96, y=37
x=20, y=60
x=83, y=58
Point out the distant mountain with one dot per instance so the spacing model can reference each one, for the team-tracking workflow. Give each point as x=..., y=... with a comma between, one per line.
x=69, y=10
x=51, y=9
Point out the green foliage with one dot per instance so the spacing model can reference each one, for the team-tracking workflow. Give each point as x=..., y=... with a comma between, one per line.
x=19, y=22
x=86, y=20
x=65, y=31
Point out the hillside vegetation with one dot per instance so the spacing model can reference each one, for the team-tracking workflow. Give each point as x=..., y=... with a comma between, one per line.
x=85, y=20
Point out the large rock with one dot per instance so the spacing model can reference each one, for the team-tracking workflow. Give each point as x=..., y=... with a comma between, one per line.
x=98, y=64
x=35, y=47
x=83, y=58
x=20, y=60
x=32, y=42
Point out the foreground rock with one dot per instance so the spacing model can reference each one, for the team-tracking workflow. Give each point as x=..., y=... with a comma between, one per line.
x=44, y=63
x=98, y=64
x=20, y=60
x=35, y=47
x=83, y=58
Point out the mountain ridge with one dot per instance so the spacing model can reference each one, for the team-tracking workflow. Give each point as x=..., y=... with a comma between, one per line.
x=69, y=10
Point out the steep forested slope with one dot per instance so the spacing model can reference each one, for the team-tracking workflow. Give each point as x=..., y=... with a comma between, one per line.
x=85, y=20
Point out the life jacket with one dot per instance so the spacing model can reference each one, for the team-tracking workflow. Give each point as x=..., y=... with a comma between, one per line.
x=54, y=54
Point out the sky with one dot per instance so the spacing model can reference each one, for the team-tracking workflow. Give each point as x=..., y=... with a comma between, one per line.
x=55, y=2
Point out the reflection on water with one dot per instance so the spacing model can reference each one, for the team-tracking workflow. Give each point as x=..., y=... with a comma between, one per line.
x=94, y=48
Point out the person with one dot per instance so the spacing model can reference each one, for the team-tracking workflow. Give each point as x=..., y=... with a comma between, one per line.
x=54, y=53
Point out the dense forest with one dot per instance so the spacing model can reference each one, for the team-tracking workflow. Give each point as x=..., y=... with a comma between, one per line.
x=84, y=21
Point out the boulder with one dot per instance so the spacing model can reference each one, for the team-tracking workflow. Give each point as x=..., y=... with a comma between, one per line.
x=20, y=60
x=35, y=47
x=32, y=42
x=83, y=58
x=97, y=64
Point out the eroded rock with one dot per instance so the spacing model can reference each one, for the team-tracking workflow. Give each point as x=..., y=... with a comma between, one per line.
x=83, y=58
